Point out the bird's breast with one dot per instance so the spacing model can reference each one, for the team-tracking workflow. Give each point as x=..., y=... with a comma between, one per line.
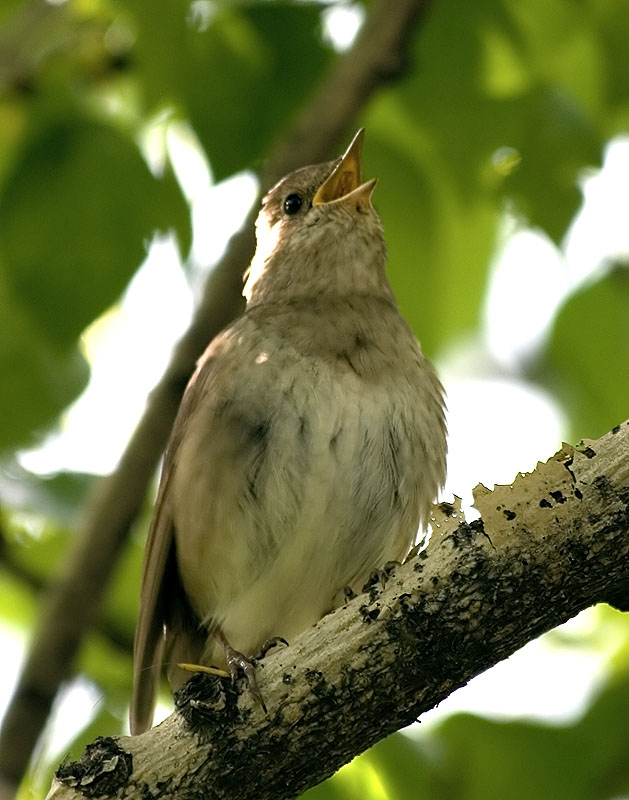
x=302, y=473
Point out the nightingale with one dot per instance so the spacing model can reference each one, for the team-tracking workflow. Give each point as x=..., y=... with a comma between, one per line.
x=308, y=447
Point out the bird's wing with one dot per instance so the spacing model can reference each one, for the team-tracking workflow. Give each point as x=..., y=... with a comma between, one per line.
x=149, y=634
x=161, y=593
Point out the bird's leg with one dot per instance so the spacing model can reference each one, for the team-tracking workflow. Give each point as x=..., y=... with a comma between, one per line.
x=235, y=661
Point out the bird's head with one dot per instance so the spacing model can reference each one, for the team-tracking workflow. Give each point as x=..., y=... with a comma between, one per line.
x=317, y=232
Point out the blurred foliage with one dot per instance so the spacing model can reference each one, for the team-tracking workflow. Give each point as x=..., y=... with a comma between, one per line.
x=590, y=373
x=237, y=71
x=502, y=106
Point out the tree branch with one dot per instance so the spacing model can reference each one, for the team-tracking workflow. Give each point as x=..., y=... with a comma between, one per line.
x=549, y=545
x=71, y=605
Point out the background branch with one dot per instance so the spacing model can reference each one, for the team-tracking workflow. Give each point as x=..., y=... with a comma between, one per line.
x=549, y=545
x=71, y=605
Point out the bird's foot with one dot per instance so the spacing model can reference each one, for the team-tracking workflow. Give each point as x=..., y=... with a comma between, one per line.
x=269, y=645
x=379, y=577
x=237, y=661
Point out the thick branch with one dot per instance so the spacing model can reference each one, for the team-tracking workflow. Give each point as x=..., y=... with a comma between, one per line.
x=71, y=605
x=549, y=545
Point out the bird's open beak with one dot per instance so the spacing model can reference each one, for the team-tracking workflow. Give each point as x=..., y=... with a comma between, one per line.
x=345, y=181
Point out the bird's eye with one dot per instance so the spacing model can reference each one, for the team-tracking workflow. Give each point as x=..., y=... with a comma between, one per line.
x=292, y=204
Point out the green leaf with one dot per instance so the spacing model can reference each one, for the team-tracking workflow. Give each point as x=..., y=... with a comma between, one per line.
x=555, y=141
x=36, y=549
x=8, y=8
x=587, y=359
x=439, y=244
x=17, y=602
x=487, y=88
x=40, y=376
x=515, y=760
x=239, y=75
x=56, y=497
x=492, y=120
x=612, y=25
x=402, y=769
x=75, y=217
x=109, y=667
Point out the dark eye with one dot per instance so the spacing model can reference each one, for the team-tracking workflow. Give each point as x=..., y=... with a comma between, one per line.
x=292, y=204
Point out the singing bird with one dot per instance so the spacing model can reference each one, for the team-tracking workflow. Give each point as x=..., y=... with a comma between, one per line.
x=308, y=448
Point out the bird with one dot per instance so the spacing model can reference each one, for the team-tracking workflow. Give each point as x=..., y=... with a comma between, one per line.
x=308, y=448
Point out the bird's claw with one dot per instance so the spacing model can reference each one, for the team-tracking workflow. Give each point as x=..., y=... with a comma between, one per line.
x=269, y=644
x=237, y=661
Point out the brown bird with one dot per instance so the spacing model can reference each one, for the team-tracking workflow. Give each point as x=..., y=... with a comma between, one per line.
x=308, y=447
